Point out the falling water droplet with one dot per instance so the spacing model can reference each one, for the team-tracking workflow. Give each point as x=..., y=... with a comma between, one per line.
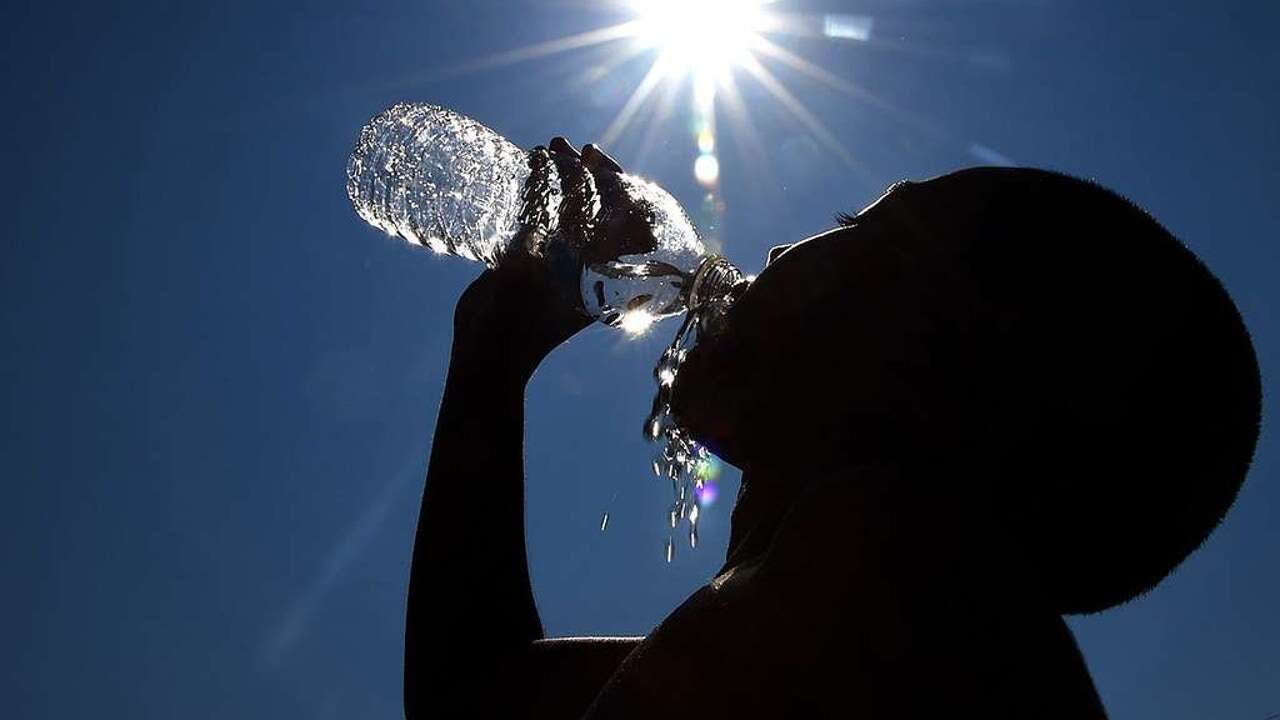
x=654, y=429
x=683, y=459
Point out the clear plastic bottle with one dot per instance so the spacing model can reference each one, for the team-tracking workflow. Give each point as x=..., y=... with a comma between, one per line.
x=443, y=181
x=446, y=182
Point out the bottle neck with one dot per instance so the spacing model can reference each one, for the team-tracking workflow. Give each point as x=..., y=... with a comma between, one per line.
x=714, y=280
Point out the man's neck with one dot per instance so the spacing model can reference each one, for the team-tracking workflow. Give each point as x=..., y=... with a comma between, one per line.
x=915, y=515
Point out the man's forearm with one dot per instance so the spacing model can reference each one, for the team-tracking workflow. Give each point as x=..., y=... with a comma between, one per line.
x=471, y=610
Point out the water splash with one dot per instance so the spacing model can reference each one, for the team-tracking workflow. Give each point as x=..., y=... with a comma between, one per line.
x=682, y=459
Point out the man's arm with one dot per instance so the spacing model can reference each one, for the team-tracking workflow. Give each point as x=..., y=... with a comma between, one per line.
x=470, y=610
x=471, y=621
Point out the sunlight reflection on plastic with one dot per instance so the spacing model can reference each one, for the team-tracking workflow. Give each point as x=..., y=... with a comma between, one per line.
x=636, y=322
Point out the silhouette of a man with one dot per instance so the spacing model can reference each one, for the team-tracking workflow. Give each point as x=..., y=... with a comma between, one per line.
x=987, y=400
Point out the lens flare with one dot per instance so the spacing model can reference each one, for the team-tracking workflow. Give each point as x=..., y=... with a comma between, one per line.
x=707, y=493
x=706, y=170
x=706, y=141
x=706, y=489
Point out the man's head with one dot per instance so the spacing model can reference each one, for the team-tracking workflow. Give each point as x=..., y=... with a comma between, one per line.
x=1082, y=366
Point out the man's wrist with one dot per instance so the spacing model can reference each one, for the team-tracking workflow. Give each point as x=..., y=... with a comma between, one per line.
x=489, y=355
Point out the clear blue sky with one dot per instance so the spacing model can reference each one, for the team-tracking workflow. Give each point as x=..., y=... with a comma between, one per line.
x=219, y=386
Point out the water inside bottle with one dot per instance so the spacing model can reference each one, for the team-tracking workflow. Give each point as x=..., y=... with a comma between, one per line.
x=652, y=252
x=438, y=179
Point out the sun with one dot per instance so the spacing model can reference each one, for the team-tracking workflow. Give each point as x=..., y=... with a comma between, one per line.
x=707, y=47
x=706, y=38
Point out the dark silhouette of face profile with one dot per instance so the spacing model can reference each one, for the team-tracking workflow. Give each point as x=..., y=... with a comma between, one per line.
x=1071, y=376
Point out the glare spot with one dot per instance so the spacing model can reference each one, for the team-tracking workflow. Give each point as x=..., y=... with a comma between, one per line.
x=706, y=169
x=847, y=27
x=437, y=245
x=636, y=322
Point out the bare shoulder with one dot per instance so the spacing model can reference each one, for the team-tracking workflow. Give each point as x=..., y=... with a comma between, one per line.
x=743, y=645
x=843, y=617
x=708, y=657
x=563, y=675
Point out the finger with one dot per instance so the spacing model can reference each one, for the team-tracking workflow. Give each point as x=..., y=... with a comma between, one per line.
x=560, y=145
x=567, y=163
x=580, y=198
x=605, y=171
x=596, y=159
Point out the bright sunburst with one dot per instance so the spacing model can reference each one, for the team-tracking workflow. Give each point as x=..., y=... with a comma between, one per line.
x=705, y=37
x=706, y=47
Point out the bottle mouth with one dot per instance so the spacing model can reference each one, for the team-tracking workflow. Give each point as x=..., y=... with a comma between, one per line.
x=716, y=285
x=713, y=280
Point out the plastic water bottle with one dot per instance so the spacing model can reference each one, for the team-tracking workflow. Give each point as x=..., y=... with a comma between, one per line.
x=444, y=181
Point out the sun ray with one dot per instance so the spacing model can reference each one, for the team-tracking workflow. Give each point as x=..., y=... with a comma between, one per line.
x=578, y=41
x=658, y=121
x=621, y=31
x=616, y=59
x=745, y=137
x=795, y=62
x=797, y=109
x=657, y=71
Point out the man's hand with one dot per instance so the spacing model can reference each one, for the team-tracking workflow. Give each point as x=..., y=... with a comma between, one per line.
x=521, y=311
x=472, y=629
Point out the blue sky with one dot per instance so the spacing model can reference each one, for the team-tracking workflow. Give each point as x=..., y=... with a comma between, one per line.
x=220, y=386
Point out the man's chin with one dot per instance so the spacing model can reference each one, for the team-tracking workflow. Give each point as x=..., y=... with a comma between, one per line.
x=714, y=437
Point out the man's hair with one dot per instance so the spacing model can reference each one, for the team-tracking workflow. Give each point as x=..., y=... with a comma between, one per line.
x=1119, y=384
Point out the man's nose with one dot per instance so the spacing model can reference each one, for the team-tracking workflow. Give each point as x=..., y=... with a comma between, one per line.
x=776, y=251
